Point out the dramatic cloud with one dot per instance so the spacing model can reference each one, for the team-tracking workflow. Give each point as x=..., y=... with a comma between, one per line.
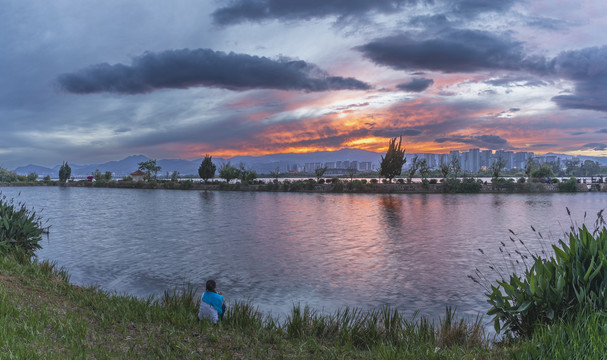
x=416, y=85
x=486, y=58
x=259, y=10
x=595, y=146
x=180, y=69
x=588, y=69
x=452, y=51
x=474, y=51
x=493, y=142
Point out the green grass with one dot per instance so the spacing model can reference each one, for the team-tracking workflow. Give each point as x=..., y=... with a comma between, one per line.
x=44, y=316
x=580, y=338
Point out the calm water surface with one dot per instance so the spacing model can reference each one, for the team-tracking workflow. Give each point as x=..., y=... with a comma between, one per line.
x=412, y=252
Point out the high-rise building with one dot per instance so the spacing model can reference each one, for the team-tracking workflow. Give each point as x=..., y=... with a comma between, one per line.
x=474, y=159
x=455, y=154
x=507, y=156
x=485, y=158
x=365, y=166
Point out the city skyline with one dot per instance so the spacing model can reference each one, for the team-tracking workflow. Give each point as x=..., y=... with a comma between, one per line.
x=90, y=82
x=337, y=162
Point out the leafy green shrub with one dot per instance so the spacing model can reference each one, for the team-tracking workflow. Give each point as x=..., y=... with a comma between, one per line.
x=433, y=181
x=20, y=228
x=186, y=185
x=297, y=185
x=338, y=186
x=10, y=177
x=556, y=288
x=310, y=184
x=504, y=184
x=467, y=185
x=373, y=181
x=569, y=185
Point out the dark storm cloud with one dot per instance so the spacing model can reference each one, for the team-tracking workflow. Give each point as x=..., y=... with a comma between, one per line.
x=390, y=133
x=493, y=142
x=180, y=69
x=595, y=146
x=472, y=51
x=238, y=11
x=416, y=85
x=452, y=51
x=588, y=69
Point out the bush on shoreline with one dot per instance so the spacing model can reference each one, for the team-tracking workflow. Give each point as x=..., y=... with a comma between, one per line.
x=553, y=289
x=21, y=228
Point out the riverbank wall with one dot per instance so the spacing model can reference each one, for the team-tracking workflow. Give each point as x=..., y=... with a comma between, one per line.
x=356, y=186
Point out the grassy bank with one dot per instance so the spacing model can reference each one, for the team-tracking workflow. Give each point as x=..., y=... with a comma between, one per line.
x=44, y=316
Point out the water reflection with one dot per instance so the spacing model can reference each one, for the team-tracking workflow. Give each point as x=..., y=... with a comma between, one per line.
x=413, y=252
x=391, y=206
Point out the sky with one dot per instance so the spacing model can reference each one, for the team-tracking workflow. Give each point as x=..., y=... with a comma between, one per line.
x=93, y=81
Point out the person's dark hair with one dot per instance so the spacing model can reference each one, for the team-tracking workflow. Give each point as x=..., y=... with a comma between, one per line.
x=211, y=285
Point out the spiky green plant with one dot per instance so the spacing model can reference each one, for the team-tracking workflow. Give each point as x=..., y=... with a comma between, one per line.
x=21, y=228
x=558, y=287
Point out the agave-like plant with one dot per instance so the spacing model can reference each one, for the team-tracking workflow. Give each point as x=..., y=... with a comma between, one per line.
x=574, y=278
x=21, y=229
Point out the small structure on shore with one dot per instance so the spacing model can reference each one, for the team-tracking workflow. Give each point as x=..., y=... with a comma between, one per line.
x=138, y=175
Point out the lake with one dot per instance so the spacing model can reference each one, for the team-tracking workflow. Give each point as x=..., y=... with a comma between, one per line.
x=329, y=251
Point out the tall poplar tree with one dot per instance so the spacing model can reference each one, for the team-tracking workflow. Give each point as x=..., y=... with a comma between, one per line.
x=207, y=169
x=392, y=163
x=64, y=172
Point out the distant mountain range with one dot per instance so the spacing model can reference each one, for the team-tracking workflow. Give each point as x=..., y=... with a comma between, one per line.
x=262, y=164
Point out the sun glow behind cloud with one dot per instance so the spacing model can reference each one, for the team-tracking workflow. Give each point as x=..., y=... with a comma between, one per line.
x=445, y=75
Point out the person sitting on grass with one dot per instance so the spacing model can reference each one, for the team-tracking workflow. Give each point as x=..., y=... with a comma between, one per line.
x=212, y=307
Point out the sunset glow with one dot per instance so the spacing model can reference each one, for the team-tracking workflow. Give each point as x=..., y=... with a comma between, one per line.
x=445, y=75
